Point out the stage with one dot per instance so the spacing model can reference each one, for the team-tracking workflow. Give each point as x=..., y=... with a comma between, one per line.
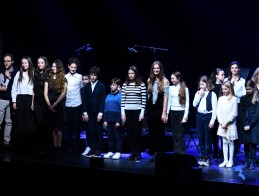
x=26, y=172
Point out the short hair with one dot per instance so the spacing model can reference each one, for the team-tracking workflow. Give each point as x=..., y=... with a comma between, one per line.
x=116, y=81
x=95, y=70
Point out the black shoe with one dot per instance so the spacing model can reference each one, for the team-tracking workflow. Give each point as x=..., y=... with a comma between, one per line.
x=246, y=166
x=90, y=154
x=97, y=153
x=132, y=157
x=69, y=152
x=152, y=159
x=8, y=146
x=252, y=166
x=138, y=157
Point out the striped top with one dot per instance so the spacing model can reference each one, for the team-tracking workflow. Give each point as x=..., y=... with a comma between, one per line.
x=133, y=97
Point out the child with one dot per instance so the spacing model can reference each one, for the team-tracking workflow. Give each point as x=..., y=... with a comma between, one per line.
x=93, y=96
x=22, y=98
x=226, y=115
x=205, y=101
x=73, y=106
x=133, y=105
x=217, y=77
x=112, y=120
x=248, y=134
x=85, y=80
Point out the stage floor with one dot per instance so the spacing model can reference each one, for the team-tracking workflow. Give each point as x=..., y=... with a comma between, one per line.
x=24, y=166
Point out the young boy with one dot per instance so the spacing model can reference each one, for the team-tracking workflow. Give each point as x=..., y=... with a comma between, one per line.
x=73, y=106
x=93, y=96
x=112, y=120
x=85, y=80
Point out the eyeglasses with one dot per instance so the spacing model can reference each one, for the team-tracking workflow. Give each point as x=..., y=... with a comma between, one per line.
x=8, y=61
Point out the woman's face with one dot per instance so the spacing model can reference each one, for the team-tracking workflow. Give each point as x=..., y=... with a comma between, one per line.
x=225, y=90
x=156, y=69
x=131, y=74
x=41, y=64
x=234, y=69
x=54, y=68
x=25, y=64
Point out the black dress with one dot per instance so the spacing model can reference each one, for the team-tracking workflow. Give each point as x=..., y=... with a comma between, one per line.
x=247, y=114
x=57, y=118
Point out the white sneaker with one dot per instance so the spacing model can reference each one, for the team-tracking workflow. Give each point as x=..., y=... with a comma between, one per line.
x=86, y=151
x=117, y=155
x=223, y=164
x=108, y=155
x=230, y=164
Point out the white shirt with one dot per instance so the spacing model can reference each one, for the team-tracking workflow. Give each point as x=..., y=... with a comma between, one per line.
x=21, y=88
x=74, y=85
x=173, y=100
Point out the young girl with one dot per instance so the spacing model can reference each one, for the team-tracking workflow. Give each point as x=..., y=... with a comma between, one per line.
x=178, y=108
x=248, y=136
x=217, y=77
x=133, y=104
x=226, y=115
x=205, y=100
x=238, y=83
x=22, y=98
x=40, y=106
x=157, y=92
x=54, y=94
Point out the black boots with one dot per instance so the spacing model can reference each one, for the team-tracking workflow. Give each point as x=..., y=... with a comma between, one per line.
x=249, y=165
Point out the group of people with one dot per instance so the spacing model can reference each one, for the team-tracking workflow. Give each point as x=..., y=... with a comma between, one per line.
x=43, y=100
x=32, y=100
x=227, y=107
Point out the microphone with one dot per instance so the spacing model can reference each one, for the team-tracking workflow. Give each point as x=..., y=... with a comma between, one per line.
x=132, y=49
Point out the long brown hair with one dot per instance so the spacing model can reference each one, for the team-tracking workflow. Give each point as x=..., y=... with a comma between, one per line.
x=60, y=76
x=153, y=78
x=182, y=95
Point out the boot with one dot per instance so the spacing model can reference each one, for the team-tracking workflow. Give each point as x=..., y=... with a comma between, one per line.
x=252, y=165
x=246, y=166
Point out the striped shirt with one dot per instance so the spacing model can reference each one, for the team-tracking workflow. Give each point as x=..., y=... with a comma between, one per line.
x=133, y=97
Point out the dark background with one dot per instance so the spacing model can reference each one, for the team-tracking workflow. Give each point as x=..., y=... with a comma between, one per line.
x=190, y=36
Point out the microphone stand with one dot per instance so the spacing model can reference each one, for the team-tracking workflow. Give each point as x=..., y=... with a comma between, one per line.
x=154, y=49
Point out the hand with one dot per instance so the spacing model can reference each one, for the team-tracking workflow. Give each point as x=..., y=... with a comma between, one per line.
x=184, y=120
x=85, y=117
x=123, y=119
x=99, y=118
x=141, y=118
x=201, y=92
x=164, y=117
x=7, y=74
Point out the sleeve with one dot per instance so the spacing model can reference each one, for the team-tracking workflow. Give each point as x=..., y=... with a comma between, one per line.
x=14, y=90
x=187, y=103
x=169, y=100
x=255, y=118
x=219, y=116
x=103, y=97
x=233, y=114
x=214, y=103
x=123, y=98
x=196, y=100
x=241, y=111
x=143, y=98
x=83, y=97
